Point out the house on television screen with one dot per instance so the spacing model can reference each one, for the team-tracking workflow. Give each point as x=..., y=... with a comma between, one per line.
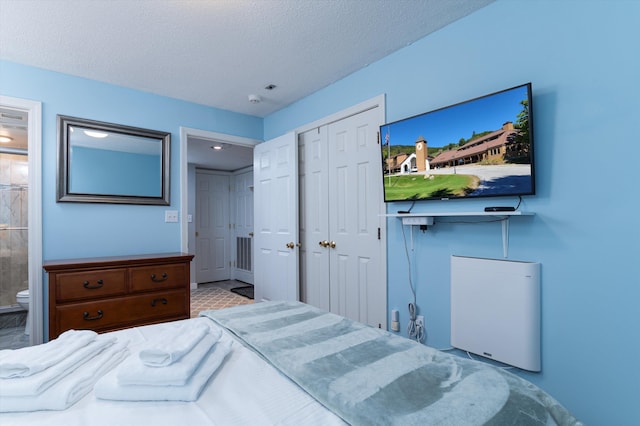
x=497, y=147
x=404, y=163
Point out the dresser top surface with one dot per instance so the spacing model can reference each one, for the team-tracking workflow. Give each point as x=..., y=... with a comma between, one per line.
x=127, y=260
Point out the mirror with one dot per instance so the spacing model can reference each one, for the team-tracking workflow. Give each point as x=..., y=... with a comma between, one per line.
x=109, y=163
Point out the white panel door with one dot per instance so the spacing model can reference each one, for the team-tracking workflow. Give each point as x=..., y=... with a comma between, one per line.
x=242, y=242
x=314, y=217
x=212, y=227
x=357, y=283
x=275, y=168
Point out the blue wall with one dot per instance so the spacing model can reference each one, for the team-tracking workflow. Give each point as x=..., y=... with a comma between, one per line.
x=79, y=229
x=582, y=59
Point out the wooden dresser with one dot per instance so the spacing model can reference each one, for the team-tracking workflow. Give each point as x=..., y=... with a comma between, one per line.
x=110, y=293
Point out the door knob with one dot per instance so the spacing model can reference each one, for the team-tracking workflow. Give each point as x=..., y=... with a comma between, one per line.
x=324, y=243
x=290, y=245
x=332, y=244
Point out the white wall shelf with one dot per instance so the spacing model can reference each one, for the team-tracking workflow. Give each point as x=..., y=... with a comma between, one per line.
x=502, y=216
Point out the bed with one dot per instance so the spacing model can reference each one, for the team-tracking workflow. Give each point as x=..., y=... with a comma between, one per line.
x=293, y=364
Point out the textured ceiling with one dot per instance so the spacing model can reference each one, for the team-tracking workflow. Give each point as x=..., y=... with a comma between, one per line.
x=218, y=52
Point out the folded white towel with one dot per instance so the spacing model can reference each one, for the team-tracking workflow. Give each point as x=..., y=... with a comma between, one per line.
x=134, y=372
x=33, y=359
x=108, y=387
x=38, y=383
x=174, y=345
x=71, y=388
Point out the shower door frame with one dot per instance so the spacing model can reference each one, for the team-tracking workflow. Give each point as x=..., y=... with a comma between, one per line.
x=34, y=155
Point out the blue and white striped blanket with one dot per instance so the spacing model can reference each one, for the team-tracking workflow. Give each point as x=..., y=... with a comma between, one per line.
x=368, y=376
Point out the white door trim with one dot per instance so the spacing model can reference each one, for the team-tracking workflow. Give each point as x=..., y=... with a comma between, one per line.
x=377, y=101
x=34, y=151
x=185, y=133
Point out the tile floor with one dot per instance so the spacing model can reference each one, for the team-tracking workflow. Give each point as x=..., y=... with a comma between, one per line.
x=207, y=296
x=216, y=296
x=12, y=330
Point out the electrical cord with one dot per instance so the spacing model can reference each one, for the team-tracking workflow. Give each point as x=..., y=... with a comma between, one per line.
x=414, y=330
x=519, y=202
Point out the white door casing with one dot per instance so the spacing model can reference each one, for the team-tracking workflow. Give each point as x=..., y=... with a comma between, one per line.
x=212, y=227
x=275, y=168
x=187, y=184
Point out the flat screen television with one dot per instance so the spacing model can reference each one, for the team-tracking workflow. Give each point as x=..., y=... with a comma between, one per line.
x=482, y=147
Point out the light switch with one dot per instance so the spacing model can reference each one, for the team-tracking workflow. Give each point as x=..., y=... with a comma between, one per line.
x=171, y=215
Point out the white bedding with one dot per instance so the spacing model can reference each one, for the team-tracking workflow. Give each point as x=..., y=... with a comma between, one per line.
x=244, y=391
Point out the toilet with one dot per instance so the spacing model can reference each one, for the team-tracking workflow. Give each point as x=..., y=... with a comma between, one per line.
x=23, y=300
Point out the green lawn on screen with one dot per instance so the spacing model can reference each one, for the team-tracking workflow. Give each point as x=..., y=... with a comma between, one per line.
x=414, y=186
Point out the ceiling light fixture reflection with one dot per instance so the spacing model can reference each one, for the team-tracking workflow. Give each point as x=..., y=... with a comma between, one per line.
x=95, y=134
x=217, y=147
x=5, y=139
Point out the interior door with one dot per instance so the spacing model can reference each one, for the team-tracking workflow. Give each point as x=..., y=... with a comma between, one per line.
x=314, y=217
x=275, y=168
x=212, y=227
x=357, y=283
x=242, y=241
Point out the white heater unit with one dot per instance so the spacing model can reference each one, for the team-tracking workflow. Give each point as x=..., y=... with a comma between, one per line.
x=495, y=310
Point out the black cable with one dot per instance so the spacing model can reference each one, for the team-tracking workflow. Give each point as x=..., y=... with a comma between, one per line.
x=407, y=211
x=519, y=202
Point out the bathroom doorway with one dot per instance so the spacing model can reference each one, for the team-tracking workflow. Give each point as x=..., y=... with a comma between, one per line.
x=20, y=224
x=14, y=227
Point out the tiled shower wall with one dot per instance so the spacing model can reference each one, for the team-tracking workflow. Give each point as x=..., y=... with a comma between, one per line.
x=13, y=227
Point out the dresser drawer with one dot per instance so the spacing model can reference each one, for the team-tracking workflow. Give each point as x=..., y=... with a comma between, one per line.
x=119, y=313
x=146, y=278
x=90, y=285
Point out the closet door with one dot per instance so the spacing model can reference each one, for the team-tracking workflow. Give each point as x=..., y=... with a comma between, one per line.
x=357, y=283
x=341, y=204
x=314, y=217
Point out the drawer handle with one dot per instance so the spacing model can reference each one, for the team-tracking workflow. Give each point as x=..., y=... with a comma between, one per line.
x=159, y=280
x=99, y=283
x=161, y=300
x=86, y=316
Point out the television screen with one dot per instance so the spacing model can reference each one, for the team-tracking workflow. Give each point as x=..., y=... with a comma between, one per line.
x=479, y=148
